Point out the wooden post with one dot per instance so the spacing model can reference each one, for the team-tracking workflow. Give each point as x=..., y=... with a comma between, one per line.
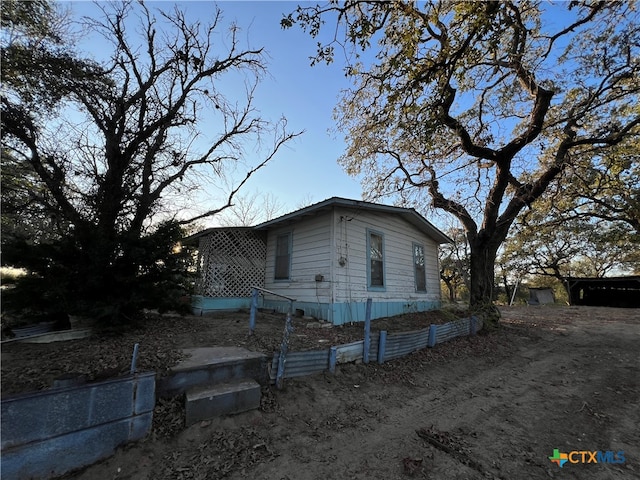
x=254, y=308
x=134, y=359
x=433, y=330
x=367, y=332
x=381, y=345
x=515, y=289
x=333, y=357
x=284, y=347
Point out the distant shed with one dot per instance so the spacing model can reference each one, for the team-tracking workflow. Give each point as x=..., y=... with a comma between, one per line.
x=541, y=296
x=605, y=292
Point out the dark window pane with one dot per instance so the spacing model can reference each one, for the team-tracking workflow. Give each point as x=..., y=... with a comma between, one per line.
x=283, y=256
x=376, y=259
x=419, y=272
x=376, y=273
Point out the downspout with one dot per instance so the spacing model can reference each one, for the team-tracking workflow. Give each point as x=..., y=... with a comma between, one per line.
x=332, y=264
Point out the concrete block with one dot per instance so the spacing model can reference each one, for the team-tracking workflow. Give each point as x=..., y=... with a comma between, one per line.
x=49, y=433
x=42, y=415
x=144, y=393
x=223, y=399
x=58, y=455
x=210, y=366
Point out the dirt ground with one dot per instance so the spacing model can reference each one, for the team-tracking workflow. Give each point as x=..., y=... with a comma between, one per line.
x=489, y=406
x=35, y=366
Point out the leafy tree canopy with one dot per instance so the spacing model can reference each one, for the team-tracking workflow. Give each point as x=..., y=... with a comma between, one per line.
x=480, y=105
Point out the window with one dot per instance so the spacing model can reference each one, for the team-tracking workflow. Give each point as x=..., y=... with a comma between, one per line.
x=375, y=254
x=418, y=268
x=283, y=256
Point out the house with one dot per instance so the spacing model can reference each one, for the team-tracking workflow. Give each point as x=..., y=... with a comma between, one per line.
x=330, y=257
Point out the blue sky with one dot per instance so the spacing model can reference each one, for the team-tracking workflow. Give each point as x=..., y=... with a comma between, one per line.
x=307, y=169
x=306, y=96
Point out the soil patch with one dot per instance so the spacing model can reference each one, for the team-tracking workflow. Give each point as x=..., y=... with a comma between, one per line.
x=161, y=338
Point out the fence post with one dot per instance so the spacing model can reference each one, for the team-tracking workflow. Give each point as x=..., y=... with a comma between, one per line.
x=284, y=347
x=433, y=330
x=254, y=308
x=367, y=332
x=381, y=345
x=333, y=357
x=134, y=359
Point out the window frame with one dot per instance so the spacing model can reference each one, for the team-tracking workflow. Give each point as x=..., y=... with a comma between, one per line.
x=370, y=287
x=416, y=272
x=289, y=235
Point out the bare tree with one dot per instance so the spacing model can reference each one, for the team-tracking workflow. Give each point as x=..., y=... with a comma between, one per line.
x=157, y=123
x=251, y=209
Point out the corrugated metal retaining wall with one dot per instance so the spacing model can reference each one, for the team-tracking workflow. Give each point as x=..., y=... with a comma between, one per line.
x=396, y=345
x=300, y=364
x=402, y=344
x=458, y=328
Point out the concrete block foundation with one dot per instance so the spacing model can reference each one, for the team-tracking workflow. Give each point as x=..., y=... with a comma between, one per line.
x=222, y=399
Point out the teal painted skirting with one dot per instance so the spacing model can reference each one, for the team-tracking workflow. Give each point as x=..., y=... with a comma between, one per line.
x=202, y=305
x=355, y=311
x=321, y=311
x=347, y=312
x=337, y=313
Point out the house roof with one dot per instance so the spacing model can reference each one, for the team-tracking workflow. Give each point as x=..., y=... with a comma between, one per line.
x=408, y=214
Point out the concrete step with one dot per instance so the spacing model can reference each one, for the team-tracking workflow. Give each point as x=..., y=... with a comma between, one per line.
x=212, y=366
x=209, y=401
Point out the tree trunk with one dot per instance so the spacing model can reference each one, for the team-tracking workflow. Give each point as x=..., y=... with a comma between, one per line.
x=451, y=288
x=482, y=260
x=507, y=289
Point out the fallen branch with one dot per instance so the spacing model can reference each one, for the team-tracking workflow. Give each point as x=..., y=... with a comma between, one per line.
x=584, y=404
x=460, y=456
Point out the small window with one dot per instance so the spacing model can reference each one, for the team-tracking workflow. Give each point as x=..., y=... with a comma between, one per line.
x=283, y=256
x=375, y=252
x=419, y=268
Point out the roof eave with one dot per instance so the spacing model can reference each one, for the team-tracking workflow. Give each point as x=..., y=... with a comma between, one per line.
x=410, y=215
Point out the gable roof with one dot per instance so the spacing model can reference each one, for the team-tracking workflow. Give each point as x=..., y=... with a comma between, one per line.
x=408, y=214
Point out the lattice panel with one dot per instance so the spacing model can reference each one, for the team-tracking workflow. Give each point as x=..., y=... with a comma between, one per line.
x=231, y=261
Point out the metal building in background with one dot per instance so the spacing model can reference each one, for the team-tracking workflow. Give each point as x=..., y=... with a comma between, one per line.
x=605, y=292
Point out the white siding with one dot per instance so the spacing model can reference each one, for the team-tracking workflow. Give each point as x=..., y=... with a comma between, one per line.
x=333, y=245
x=350, y=280
x=311, y=256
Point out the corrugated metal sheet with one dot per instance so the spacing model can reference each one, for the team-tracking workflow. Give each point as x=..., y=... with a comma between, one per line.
x=354, y=352
x=373, y=348
x=451, y=330
x=349, y=352
x=299, y=364
x=401, y=344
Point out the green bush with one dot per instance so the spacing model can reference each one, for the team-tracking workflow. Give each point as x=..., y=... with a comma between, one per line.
x=149, y=272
